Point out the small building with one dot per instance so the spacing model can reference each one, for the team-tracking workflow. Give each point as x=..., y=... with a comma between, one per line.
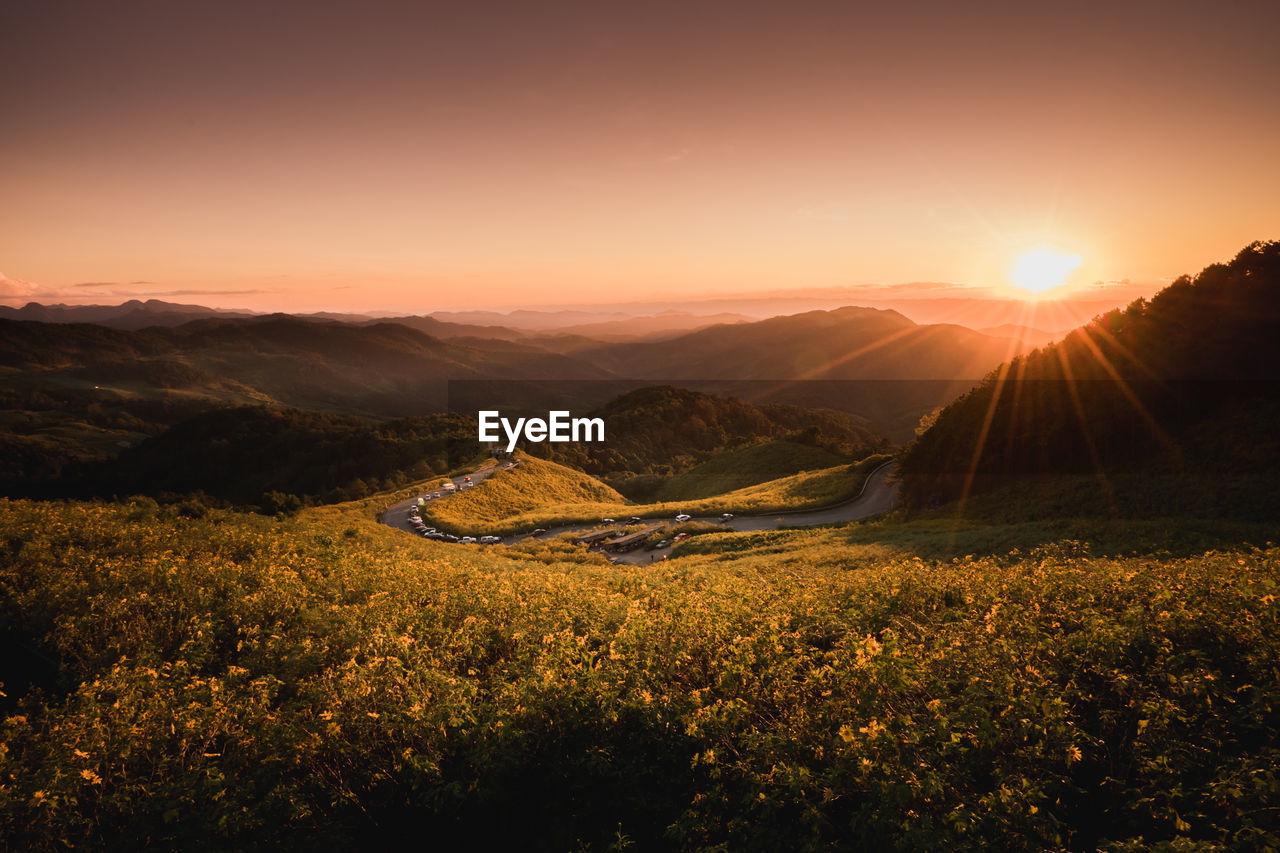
x=631, y=541
x=594, y=537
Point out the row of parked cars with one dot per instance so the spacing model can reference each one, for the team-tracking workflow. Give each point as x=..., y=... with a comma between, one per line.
x=416, y=522
x=635, y=519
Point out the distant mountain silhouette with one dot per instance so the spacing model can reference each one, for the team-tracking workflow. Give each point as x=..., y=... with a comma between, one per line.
x=655, y=432
x=664, y=325
x=446, y=330
x=1026, y=335
x=847, y=343
x=384, y=369
x=134, y=314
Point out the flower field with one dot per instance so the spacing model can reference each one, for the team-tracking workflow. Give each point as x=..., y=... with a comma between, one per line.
x=235, y=681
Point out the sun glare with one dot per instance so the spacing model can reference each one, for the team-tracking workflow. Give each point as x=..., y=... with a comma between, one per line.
x=1040, y=270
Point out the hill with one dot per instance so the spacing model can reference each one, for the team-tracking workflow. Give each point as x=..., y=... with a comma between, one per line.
x=736, y=469
x=847, y=343
x=60, y=372
x=542, y=497
x=655, y=433
x=1180, y=391
x=130, y=315
x=663, y=325
x=378, y=368
x=262, y=456
x=74, y=395
x=534, y=484
x=1025, y=335
x=445, y=330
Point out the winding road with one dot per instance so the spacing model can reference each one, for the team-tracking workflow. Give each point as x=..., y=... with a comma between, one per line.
x=878, y=495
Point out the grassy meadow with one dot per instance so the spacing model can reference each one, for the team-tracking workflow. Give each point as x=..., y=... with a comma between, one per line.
x=322, y=681
x=747, y=466
x=539, y=493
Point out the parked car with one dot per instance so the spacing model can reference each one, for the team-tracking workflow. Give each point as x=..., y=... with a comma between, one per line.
x=449, y=537
x=726, y=516
x=538, y=532
x=679, y=537
x=467, y=540
x=683, y=517
x=661, y=543
x=635, y=519
x=490, y=540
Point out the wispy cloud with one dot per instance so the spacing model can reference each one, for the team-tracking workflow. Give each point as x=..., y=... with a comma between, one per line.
x=16, y=288
x=208, y=293
x=121, y=291
x=17, y=291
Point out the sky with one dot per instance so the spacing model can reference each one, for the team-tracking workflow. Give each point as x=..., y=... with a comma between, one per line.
x=407, y=157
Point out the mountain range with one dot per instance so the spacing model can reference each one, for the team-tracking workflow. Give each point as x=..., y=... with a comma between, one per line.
x=402, y=366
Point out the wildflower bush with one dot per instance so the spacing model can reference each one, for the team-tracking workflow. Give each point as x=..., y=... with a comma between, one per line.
x=237, y=681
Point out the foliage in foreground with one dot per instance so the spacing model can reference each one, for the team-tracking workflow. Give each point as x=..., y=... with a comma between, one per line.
x=238, y=681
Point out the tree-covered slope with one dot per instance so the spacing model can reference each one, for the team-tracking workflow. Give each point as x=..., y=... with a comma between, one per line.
x=1181, y=386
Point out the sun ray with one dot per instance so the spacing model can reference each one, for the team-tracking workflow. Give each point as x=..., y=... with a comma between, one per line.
x=1085, y=337
x=1078, y=406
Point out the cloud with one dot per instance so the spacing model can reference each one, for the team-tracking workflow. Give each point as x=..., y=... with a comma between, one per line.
x=207, y=293
x=17, y=292
x=15, y=288
x=119, y=291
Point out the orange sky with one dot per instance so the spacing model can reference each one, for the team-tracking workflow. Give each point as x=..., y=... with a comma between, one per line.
x=415, y=156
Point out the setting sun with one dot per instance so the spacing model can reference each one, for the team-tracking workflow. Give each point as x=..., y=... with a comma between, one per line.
x=1039, y=270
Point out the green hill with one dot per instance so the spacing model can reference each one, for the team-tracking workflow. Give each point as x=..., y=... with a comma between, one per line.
x=534, y=484
x=658, y=432
x=542, y=494
x=748, y=466
x=845, y=343
x=243, y=454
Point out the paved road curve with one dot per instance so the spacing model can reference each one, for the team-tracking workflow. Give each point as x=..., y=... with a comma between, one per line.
x=877, y=496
